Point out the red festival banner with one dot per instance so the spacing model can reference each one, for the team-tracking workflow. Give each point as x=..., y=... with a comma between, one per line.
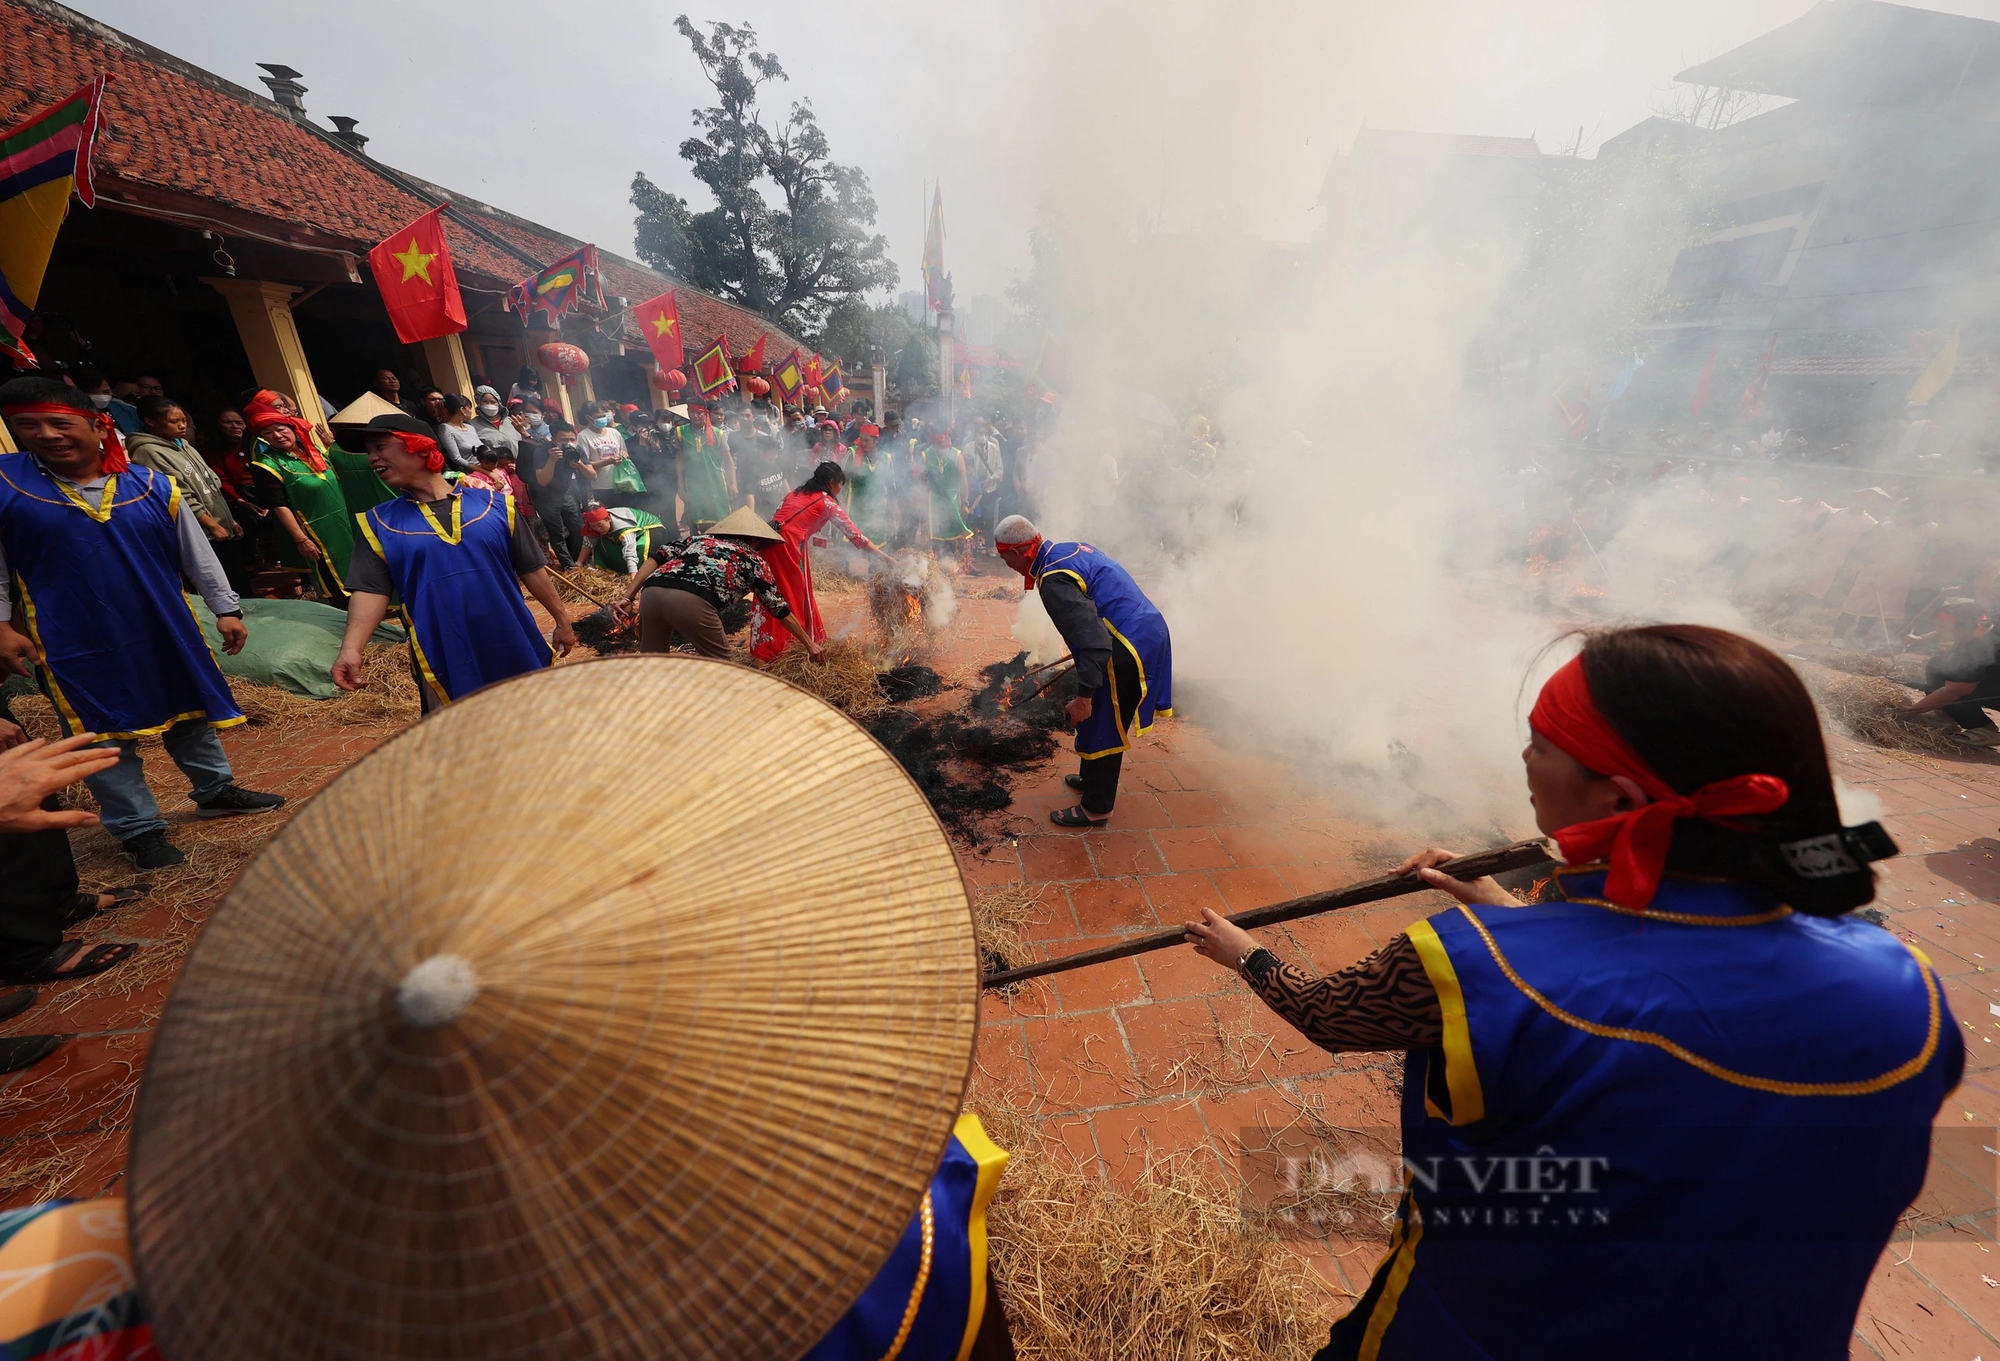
x=660, y=319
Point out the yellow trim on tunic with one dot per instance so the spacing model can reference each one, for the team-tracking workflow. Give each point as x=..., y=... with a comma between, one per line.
x=1410, y=1231
x=1461, y=1074
x=992, y=1161
x=1901, y=1073
x=423, y=665
x=70, y=496
x=457, y=530
x=324, y=557
x=1140, y=728
x=72, y=724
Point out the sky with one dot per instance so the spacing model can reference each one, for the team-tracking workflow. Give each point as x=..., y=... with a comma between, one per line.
x=547, y=111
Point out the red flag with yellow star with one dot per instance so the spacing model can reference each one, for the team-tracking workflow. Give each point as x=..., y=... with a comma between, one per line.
x=413, y=273
x=660, y=318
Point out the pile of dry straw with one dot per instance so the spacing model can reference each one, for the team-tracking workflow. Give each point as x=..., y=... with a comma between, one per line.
x=1864, y=707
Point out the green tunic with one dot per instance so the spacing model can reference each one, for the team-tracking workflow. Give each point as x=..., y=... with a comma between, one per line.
x=704, y=484
x=610, y=550
x=871, y=494
x=360, y=484
x=320, y=506
x=941, y=473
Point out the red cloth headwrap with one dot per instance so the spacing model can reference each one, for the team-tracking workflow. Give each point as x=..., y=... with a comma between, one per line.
x=262, y=413
x=107, y=429
x=1032, y=547
x=418, y=444
x=1635, y=842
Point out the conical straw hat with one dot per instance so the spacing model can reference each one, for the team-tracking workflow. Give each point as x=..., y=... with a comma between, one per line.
x=362, y=410
x=745, y=523
x=718, y=986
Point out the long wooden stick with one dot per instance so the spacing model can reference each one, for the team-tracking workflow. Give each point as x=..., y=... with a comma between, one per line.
x=1518, y=856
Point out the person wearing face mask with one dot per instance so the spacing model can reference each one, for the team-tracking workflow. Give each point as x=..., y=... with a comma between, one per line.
x=602, y=447
x=490, y=423
x=97, y=387
x=163, y=446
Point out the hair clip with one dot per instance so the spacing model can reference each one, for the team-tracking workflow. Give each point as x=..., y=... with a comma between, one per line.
x=1838, y=853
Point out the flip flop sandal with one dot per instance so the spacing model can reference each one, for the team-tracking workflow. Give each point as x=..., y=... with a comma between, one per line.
x=1076, y=817
x=89, y=959
x=25, y=1051
x=84, y=906
x=1074, y=782
x=15, y=1001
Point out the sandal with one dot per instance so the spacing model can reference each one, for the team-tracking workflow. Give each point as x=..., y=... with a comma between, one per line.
x=84, y=960
x=1074, y=782
x=1076, y=817
x=87, y=905
x=25, y=1051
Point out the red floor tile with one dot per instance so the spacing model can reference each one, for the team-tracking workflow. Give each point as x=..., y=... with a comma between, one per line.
x=1196, y=809
x=1244, y=889
x=1121, y=853
x=1178, y=898
x=1179, y=972
x=1079, y=1062
x=1110, y=906
x=1255, y=844
x=1192, y=848
x=1176, y=1047
x=1055, y=857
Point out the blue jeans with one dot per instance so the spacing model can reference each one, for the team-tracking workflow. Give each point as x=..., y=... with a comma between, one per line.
x=127, y=807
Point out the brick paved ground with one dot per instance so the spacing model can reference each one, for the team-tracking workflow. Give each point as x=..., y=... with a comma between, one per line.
x=1166, y=1055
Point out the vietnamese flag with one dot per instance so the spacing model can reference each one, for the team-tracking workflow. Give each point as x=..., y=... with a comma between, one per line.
x=712, y=373
x=660, y=318
x=753, y=362
x=812, y=372
x=413, y=273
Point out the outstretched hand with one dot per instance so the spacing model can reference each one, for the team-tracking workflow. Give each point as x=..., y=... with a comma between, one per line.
x=1218, y=938
x=32, y=771
x=1484, y=890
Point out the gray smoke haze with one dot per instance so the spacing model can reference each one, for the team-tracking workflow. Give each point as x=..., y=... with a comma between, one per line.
x=1344, y=588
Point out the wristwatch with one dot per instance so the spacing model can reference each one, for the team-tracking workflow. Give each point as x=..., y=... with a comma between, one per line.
x=230, y=614
x=1255, y=964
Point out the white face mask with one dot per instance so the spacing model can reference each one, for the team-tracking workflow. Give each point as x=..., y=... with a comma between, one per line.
x=488, y=410
x=101, y=400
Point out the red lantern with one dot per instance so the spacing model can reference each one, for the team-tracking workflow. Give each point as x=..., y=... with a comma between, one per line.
x=565, y=359
x=756, y=386
x=669, y=381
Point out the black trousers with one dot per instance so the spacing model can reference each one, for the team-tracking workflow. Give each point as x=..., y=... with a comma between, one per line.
x=1968, y=712
x=564, y=523
x=1100, y=773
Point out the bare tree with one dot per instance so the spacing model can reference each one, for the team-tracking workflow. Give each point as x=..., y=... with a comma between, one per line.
x=1709, y=107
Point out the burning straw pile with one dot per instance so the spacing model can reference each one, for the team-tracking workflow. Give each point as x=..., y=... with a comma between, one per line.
x=1168, y=1268
x=956, y=758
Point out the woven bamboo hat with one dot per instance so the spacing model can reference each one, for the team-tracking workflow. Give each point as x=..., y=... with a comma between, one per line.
x=569, y=1023
x=745, y=523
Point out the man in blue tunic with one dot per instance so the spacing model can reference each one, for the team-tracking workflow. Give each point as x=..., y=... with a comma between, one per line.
x=92, y=553
x=456, y=559
x=1124, y=656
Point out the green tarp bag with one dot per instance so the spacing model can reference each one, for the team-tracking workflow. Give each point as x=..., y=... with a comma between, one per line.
x=292, y=644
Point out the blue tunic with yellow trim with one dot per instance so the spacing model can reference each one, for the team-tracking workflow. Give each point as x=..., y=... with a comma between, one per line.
x=1134, y=624
x=1687, y=1131
x=461, y=600
x=927, y=1301
x=97, y=586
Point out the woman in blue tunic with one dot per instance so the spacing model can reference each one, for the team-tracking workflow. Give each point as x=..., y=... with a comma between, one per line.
x=1679, y=1111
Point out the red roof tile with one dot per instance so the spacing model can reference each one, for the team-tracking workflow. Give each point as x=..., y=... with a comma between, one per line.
x=171, y=126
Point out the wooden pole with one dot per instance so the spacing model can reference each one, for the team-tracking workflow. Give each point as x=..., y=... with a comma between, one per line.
x=1518, y=856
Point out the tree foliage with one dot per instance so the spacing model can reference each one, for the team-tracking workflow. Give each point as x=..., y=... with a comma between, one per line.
x=794, y=259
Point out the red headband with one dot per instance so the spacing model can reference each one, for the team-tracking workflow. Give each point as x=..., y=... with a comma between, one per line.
x=107, y=429
x=1635, y=842
x=262, y=413
x=1033, y=548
